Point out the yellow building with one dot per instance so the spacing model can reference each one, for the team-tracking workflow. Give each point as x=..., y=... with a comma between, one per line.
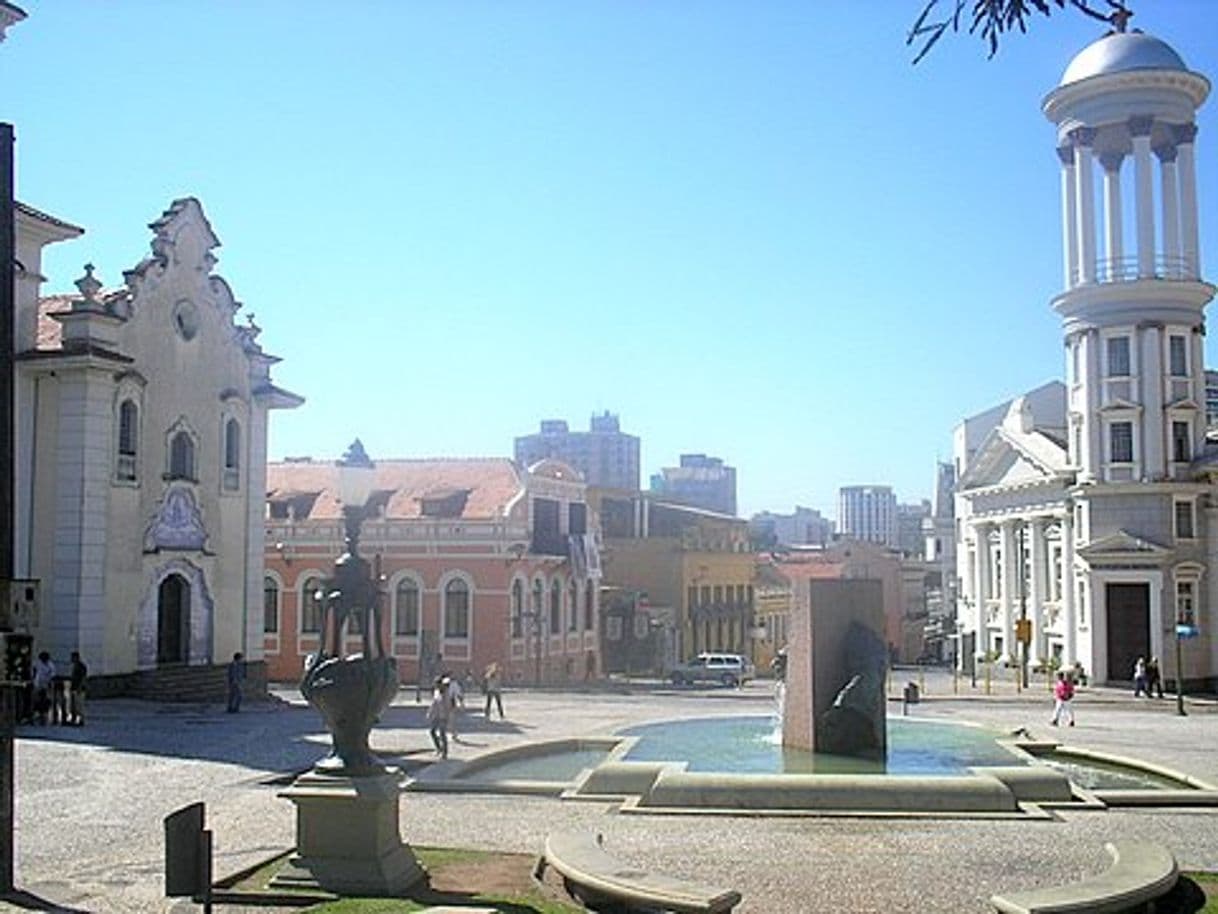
x=693, y=566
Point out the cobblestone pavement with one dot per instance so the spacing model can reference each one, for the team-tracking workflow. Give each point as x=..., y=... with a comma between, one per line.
x=90, y=801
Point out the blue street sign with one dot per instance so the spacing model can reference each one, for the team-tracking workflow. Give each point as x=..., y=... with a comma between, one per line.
x=1186, y=631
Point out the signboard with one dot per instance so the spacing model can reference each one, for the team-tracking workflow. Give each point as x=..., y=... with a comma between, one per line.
x=1184, y=630
x=1023, y=631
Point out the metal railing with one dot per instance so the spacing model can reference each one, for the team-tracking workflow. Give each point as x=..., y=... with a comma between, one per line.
x=1126, y=269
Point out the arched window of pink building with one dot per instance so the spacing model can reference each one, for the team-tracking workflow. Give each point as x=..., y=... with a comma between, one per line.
x=555, y=607
x=406, y=609
x=456, y=609
x=517, y=608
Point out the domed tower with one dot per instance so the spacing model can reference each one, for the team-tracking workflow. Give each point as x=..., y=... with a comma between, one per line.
x=1133, y=306
x=1133, y=317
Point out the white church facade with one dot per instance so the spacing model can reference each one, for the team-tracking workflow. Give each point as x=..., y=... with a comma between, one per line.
x=141, y=459
x=1088, y=508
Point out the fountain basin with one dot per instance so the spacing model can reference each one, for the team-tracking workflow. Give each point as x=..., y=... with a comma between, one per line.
x=972, y=772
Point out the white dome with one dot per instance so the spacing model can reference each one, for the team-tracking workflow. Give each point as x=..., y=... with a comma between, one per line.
x=1120, y=52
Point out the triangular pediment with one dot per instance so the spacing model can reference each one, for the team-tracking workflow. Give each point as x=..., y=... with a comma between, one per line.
x=1004, y=460
x=1184, y=403
x=1123, y=544
x=1120, y=404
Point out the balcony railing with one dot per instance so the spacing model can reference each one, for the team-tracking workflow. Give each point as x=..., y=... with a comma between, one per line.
x=1126, y=269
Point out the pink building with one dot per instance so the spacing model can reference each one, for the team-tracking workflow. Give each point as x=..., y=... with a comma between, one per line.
x=480, y=560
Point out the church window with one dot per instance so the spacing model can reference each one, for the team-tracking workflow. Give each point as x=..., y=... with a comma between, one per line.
x=573, y=607
x=1118, y=357
x=182, y=456
x=456, y=609
x=589, y=604
x=128, y=440
x=1181, y=446
x=1185, y=608
x=1185, y=524
x=1120, y=442
x=1177, y=356
x=310, y=606
x=270, y=605
x=232, y=455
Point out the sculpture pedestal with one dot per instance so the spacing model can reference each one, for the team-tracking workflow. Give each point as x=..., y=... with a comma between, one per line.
x=347, y=838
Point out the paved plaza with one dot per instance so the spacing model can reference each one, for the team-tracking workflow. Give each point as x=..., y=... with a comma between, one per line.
x=90, y=801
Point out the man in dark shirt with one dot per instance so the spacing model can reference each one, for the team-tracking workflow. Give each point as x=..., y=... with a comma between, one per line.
x=77, y=674
x=236, y=681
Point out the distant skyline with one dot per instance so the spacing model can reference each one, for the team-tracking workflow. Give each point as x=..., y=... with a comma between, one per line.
x=753, y=231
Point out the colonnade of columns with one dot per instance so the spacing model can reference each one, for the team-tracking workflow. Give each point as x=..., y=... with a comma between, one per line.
x=1012, y=597
x=1178, y=254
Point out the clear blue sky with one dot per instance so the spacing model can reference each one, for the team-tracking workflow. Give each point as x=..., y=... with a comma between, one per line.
x=752, y=229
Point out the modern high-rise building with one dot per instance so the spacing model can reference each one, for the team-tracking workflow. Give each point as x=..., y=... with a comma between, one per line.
x=605, y=456
x=700, y=481
x=803, y=527
x=909, y=527
x=868, y=513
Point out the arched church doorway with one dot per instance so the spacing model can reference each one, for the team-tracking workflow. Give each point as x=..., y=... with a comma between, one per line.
x=1128, y=628
x=173, y=620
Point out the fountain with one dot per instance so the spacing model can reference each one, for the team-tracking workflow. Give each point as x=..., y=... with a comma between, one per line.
x=837, y=662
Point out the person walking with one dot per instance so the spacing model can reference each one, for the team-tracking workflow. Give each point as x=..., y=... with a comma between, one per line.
x=78, y=673
x=1154, y=678
x=456, y=703
x=44, y=677
x=1139, y=678
x=492, y=682
x=437, y=717
x=1063, y=694
x=236, y=682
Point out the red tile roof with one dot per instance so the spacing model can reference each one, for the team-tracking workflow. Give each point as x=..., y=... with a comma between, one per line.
x=492, y=483
x=49, y=335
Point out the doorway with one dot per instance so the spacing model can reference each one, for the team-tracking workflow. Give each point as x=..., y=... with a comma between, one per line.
x=173, y=620
x=1128, y=628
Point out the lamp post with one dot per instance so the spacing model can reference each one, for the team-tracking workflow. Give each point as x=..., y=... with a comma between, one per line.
x=347, y=808
x=350, y=692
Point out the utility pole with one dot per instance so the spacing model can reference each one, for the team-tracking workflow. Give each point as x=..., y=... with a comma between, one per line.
x=8, y=279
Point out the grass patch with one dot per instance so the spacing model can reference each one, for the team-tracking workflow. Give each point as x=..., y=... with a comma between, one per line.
x=455, y=876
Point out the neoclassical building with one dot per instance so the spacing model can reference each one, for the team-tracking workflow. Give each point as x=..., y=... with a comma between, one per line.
x=1091, y=512
x=141, y=460
x=481, y=561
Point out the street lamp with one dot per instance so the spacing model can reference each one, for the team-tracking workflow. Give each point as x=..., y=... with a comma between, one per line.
x=351, y=691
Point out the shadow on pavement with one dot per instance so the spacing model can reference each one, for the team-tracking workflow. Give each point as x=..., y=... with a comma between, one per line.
x=26, y=901
x=268, y=736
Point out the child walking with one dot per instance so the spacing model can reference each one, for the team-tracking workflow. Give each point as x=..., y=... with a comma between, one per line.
x=1063, y=693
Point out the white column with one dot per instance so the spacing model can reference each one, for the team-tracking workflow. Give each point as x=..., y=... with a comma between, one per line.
x=1197, y=372
x=1069, y=616
x=76, y=603
x=1190, y=243
x=981, y=587
x=1010, y=570
x=1154, y=434
x=1069, y=223
x=1092, y=445
x=1084, y=212
x=1139, y=129
x=1171, y=211
x=1114, y=249
x=1037, y=591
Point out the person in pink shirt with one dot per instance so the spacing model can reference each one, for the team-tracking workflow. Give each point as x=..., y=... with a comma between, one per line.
x=1063, y=693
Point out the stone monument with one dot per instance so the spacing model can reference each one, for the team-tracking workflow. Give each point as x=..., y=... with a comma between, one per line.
x=837, y=665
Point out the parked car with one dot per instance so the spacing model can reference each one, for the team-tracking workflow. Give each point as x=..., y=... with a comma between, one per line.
x=729, y=669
